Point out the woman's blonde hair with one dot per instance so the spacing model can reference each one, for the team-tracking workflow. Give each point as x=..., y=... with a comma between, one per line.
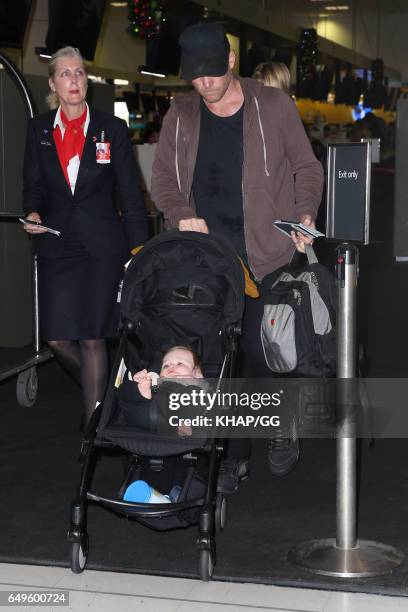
x=52, y=98
x=273, y=74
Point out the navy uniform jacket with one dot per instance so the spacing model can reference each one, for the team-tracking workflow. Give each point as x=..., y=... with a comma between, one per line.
x=90, y=212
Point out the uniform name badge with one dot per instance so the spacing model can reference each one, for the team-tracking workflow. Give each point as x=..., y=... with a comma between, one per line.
x=103, y=152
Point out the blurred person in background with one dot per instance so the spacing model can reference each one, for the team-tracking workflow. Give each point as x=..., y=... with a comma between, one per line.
x=273, y=74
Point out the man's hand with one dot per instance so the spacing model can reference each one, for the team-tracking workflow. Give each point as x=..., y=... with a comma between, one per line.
x=193, y=225
x=300, y=239
x=32, y=228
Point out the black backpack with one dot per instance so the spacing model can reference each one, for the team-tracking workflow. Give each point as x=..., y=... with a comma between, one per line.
x=298, y=330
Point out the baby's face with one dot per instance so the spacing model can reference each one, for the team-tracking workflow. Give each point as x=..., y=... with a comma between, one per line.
x=179, y=363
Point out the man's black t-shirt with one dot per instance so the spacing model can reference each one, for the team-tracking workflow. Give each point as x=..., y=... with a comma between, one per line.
x=217, y=181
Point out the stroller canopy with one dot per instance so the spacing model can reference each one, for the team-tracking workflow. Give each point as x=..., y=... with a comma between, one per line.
x=183, y=288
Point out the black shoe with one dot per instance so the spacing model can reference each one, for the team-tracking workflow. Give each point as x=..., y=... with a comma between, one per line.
x=283, y=450
x=230, y=474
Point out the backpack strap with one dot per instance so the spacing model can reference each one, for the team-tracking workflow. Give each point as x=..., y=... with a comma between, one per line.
x=297, y=256
x=310, y=254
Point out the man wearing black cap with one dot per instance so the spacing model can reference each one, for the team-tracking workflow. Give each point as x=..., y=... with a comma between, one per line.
x=232, y=158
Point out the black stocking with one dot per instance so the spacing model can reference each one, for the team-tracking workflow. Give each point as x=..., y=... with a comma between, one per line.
x=87, y=362
x=67, y=353
x=94, y=373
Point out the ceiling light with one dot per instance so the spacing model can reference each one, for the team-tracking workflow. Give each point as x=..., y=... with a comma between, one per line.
x=145, y=70
x=96, y=79
x=118, y=4
x=42, y=52
x=120, y=82
x=337, y=7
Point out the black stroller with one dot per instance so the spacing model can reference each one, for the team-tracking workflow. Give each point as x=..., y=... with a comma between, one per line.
x=182, y=288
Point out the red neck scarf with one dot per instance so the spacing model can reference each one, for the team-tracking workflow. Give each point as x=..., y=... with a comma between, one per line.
x=73, y=142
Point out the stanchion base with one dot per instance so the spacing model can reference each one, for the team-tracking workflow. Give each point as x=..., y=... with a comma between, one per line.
x=325, y=558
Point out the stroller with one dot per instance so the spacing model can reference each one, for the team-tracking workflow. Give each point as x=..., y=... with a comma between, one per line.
x=182, y=288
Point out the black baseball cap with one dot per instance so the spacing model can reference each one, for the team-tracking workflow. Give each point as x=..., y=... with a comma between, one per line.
x=204, y=51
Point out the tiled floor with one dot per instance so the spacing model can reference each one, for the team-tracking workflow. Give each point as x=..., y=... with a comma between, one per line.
x=94, y=591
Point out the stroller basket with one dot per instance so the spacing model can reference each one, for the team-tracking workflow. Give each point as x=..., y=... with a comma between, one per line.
x=144, y=510
x=156, y=516
x=175, y=515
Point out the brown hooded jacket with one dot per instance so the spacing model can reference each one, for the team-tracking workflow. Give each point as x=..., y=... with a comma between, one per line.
x=281, y=178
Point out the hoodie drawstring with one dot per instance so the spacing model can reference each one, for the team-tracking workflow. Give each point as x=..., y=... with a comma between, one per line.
x=263, y=136
x=176, y=158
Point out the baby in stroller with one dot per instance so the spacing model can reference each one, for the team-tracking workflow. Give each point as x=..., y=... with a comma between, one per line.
x=144, y=399
x=179, y=363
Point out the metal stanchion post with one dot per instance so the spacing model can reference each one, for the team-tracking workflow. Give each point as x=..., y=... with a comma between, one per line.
x=346, y=556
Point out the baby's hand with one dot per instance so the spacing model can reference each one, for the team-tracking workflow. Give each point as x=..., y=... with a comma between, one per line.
x=184, y=431
x=144, y=383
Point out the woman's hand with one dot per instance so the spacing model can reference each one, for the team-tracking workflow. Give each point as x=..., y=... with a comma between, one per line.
x=36, y=219
x=300, y=239
x=144, y=383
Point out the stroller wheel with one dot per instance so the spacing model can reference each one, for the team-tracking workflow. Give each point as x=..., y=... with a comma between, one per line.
x=79, y=555
x=221, y=512
x=27, y=387
x=206, y=566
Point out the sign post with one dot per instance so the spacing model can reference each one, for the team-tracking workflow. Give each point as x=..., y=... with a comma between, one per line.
x=348, y=199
